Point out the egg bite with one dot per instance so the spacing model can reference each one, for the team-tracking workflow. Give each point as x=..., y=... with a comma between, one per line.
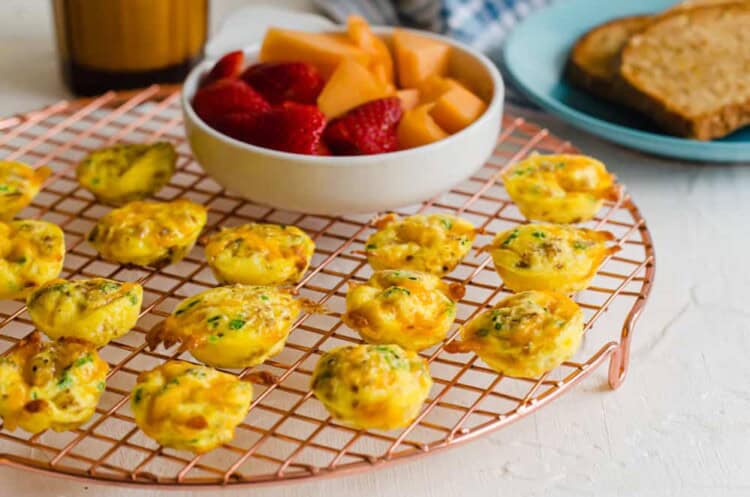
x=53, y=385
x=97, y=310
x=31, y=253
x=189, y=407
x=148, y=233
x=411, y=309
x=526, y=334
x=234, y=326
x=549, y=257
x=259, y=254
x=124, y=173
x=434, y=243
x=561, y=188
x=19, y=184
x=379, y=387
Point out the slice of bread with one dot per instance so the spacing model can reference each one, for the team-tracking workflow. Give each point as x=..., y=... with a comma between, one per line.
x=690, y=70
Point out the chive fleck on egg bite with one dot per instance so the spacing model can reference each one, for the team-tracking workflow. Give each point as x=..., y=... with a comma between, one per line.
x=526, y=334
x=53, y=385
x=560, y=188
x=19, y=184
x=234, y=326
x=148, y=233
x=549, y=257
x=97, y=310
x=408, y=308
x=434, y=243
x=190, y=407
x=259, y=254
x=31, y=253
x=378, y=387
x=123, y=173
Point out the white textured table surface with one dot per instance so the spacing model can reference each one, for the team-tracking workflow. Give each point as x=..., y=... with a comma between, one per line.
x=678, y=426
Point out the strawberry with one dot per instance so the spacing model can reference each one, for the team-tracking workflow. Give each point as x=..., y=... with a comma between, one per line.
x=286, y=81
x=367, y=129
x=226, y=96
x=238, y=125
x=229, y=66
x=291, y=127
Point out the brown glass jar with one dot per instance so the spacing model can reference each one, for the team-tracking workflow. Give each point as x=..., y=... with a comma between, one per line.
x=118, y=44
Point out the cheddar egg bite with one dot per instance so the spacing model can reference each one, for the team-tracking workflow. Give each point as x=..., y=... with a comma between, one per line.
x=549, y=257
x=406, y=308
x=123, y=173
x=53, y=385
x=433, y=243
x=560, y=188
x=190, y=407
x=97, y=310
x=259, y=254
x=234, y=326
x=31, y=253
x=378, y=387
x=19, y=184
x=526, y=334
x=148, y=233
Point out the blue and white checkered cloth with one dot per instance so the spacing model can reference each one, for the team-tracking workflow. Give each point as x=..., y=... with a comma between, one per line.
x=482, y=24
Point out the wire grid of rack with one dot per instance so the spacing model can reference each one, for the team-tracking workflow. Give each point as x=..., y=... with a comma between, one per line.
x=287, y=434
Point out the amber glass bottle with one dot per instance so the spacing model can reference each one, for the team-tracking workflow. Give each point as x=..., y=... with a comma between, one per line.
x=117, y=44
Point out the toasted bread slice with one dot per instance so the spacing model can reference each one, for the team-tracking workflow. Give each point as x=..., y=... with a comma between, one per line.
x=689, y=70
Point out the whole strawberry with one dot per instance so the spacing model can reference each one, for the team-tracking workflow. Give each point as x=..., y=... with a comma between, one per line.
x=367, y=129
x=285, y=81
x=291, y=127
x=227, y=96
x=229, y=66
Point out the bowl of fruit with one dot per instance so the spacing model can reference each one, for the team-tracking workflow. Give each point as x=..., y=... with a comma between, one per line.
x=351, y=121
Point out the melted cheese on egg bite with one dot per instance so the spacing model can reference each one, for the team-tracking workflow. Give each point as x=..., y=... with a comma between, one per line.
x=190, y=407
x=560, y=188
x=53, y=385
x=378, y=387
x=19, y=184
x=31, y=253
x=434, y=243
x=549, y=257
x=234, y=326
x=408, y=308
x=148, y=233
x=259, y=254
x=98, y=310
x=123, y=173
x=526, y=334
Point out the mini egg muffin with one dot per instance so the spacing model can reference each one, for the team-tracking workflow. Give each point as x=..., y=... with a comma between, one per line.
x=148, y=233
x=378, y=387
x=560, y=188
x=549, y=257
x=433, y=243
x=53, y=385
x=189, y=407
x=98, y=310
x=234, y=326
x=526, y=334
x=123, y=173
x=31, y=253
x=19, y=184
x=406, y=308
x=259, y=254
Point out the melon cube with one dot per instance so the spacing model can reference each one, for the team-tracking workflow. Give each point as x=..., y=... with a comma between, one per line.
x=381, y=63
x=418, y=128
x=418, y=57
x=409, y=98
x=435, y=86
x=350, y=85
x=456, y=109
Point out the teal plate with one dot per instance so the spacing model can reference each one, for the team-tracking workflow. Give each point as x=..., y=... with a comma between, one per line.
x=534, y=57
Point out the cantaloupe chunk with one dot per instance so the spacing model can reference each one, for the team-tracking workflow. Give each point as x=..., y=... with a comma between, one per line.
x=323, y=50
x=418, y=57
x=418, y=128
x=381, y=63
x=351, y=84
x=409, y=98
x=456, y=109
x=433, y=87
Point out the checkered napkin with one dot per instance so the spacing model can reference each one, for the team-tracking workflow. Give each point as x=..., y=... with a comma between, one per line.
x=482, y=24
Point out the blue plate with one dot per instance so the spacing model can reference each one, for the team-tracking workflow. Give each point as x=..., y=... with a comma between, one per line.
x=534, y=57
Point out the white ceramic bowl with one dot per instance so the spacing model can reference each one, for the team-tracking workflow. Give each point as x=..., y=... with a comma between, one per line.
x=352, y=184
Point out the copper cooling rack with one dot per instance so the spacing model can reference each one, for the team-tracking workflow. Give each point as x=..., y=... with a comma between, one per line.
x=287, y=434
